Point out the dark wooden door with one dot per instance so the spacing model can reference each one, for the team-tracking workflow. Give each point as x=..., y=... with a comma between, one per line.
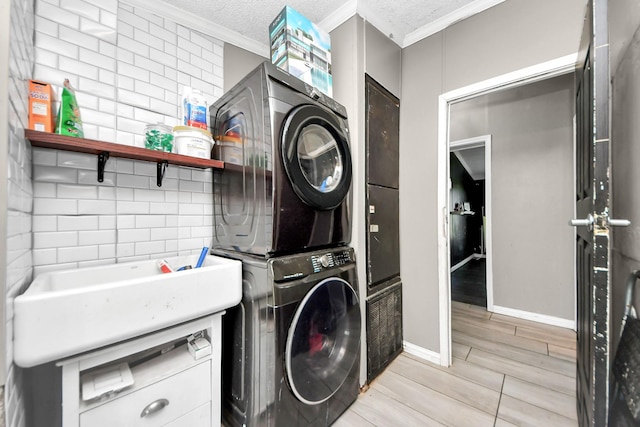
x=592, y=207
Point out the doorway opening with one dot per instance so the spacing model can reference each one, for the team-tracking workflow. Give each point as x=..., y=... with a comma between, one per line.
x=470, y=221
x=544, y=71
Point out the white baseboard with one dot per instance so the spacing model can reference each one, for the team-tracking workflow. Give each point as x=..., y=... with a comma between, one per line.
x=422, y=353
x=536, y=317
x=461, y=263
x=466, y=260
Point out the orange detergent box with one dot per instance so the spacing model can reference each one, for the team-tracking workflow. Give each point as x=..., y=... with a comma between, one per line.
x=40, y=106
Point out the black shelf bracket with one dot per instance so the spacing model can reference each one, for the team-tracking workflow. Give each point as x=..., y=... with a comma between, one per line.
x=162, y=167
x=102, y=161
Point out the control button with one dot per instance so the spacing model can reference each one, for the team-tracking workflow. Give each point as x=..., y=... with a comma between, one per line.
x=343, y=258
x=325, y=261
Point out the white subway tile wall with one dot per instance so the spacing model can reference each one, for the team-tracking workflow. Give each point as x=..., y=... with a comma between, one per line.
x=77, y=223
x=129, y=68
x=20, y=195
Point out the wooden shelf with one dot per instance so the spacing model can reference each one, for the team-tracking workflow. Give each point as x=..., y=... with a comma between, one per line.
x=104, y=150
x=248, y=170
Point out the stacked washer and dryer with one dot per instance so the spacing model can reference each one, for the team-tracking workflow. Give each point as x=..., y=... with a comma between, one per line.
x=291, y=348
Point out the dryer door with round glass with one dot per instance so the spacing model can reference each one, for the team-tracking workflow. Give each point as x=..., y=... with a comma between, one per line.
x=323, y=341
x=316, y=157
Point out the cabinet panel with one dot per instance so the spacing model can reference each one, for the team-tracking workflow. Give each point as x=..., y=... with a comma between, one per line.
x=383, y=239
x=382, y=135
x=184, y=392
x=199, y=417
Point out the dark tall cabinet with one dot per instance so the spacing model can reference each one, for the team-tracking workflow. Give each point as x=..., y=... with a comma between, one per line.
x=384, y=287
x=383, y=241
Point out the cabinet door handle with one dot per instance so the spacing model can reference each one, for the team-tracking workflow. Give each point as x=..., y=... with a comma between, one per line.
x=154, y=407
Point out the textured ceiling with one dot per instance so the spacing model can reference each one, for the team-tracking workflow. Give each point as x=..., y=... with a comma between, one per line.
x=472, y=160
x=402, y=20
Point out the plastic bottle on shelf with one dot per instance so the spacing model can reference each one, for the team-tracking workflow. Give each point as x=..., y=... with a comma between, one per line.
x=194, y=109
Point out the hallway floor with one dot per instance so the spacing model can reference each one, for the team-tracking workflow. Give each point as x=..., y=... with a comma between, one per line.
x=469, y=283
x=505, y=372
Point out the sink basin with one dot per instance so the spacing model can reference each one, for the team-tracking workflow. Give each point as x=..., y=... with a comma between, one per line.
x=64, y=313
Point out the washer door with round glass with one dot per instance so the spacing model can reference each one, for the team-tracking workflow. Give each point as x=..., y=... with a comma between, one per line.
x=323, y=341
x=316, y=157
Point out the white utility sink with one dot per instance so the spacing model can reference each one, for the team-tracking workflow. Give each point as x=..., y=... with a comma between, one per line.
x=64, y=313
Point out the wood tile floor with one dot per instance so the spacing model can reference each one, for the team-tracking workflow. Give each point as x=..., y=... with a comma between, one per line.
x=505, y=372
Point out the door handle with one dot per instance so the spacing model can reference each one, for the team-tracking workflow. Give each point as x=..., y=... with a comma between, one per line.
x=587, y=222
x=618, y=222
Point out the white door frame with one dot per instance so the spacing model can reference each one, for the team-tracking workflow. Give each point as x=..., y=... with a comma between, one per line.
x=545, y=70
x=465, y=144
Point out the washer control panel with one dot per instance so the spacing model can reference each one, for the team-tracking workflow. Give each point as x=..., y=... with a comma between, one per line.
x=326, y=100
x=293, y=267
x=330, y=260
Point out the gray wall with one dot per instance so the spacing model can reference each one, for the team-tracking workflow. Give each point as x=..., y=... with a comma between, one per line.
x=625, y=153
x=510, y=36
x=237, y=64
x=347, y=65
x=359, y=48
x=531, y=131
x=382, y=59
x=504, y=38
x=624, y=16
x=422, y=83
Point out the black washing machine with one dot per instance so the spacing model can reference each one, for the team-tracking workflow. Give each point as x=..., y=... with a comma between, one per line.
x=285, y=185
x=291, y=348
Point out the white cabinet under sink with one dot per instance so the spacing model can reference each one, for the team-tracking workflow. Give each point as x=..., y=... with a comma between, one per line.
x=171, y=387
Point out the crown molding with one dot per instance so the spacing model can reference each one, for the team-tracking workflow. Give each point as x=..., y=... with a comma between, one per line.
x=337, y=18
x=340, y=16
x=448, y=20
x=360, y=7
x=353, y=7
x=390, y=31
x=198, y=23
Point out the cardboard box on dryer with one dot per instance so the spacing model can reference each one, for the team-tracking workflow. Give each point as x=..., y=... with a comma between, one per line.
x=302, y=49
